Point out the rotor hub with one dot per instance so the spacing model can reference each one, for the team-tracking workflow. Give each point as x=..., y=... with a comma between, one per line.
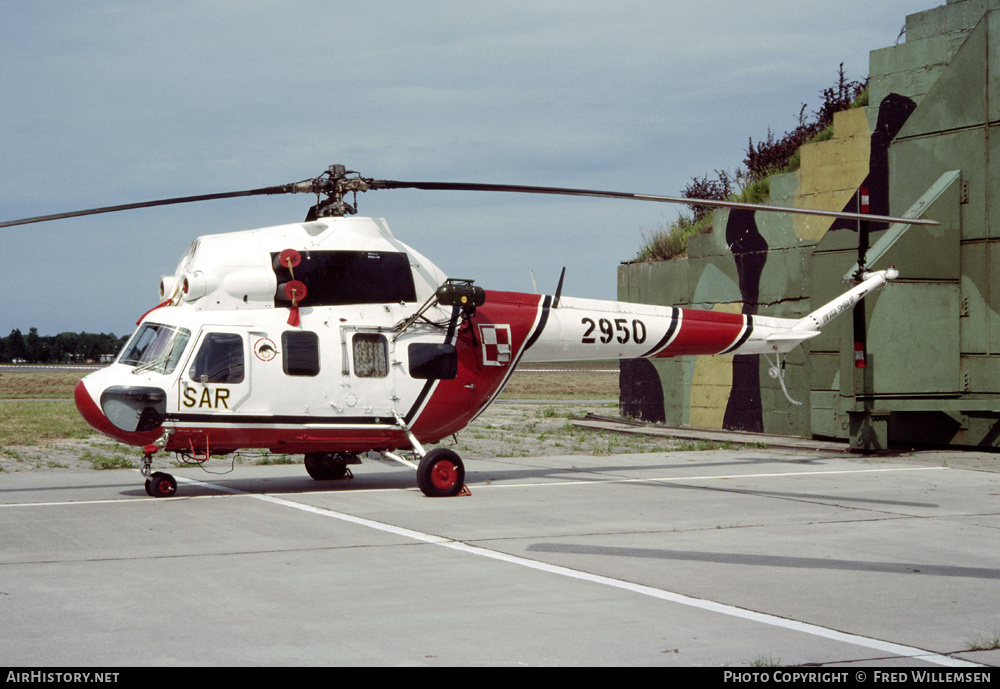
x=335, y=184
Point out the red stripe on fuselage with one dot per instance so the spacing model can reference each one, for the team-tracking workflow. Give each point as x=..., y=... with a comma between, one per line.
x=456, y=402
x=228, y=434
x=704, y=332
x=231, y=437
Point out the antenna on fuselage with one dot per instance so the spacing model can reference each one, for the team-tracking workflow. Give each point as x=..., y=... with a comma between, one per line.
x=555, y=300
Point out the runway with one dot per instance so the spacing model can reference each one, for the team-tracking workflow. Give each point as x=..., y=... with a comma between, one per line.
x=730, y=558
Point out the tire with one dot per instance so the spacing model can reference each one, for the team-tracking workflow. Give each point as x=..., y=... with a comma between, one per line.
x=326, y=466
x=441, y=473
x=161, y=485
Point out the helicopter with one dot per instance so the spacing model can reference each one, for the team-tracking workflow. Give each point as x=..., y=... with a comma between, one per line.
x=332, y=339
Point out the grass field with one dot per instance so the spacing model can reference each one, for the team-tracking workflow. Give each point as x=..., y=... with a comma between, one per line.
x=31, y=422
x=24, y=420
x=564, y=381
x=40, y=428
x=54, y=384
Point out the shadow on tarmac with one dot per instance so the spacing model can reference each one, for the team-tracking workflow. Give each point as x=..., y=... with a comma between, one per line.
x=769, y=560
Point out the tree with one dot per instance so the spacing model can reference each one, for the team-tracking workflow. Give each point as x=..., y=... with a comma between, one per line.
x=35, y=349
x=15, y=345
x=64, y=347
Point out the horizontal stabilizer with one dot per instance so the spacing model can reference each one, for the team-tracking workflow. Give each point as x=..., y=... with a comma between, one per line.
x=793, y=336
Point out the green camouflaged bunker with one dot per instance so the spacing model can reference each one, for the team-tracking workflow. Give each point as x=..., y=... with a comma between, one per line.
x=931, y=359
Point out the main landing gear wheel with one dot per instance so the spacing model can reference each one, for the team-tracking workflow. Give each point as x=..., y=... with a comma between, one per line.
x=161, y=485
x=441, y=473
x=328, y=466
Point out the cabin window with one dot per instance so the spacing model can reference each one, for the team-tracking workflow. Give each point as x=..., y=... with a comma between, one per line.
x=300, y=353
x=219, y=360
x=371, y=356
x=335, y=278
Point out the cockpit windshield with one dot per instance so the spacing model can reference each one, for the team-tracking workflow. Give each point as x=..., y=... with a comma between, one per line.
x=155, y=347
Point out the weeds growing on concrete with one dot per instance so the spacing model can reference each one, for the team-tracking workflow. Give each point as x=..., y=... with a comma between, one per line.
x=985, y=642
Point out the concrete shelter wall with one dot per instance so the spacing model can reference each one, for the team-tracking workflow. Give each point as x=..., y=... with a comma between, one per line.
x=933, y=337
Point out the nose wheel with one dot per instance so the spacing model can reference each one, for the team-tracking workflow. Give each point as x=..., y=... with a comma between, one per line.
x=161, y=485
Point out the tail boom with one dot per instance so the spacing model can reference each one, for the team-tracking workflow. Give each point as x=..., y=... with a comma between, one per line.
x=871, y=281
x=584, y=329
x=589, y=329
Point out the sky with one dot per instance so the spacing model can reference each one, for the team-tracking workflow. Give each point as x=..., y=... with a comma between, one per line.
x=106, y=103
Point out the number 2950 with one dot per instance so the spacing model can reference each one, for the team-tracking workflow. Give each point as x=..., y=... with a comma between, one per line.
x=618, y=329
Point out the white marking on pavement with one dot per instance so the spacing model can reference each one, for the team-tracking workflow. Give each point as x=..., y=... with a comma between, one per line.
x=712, y=606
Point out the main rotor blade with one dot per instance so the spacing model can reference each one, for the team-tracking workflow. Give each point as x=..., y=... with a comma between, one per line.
x=282, y=189
x=338, y=185
x=464, y=186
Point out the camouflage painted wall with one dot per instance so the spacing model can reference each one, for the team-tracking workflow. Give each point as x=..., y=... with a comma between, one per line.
x=933, y=337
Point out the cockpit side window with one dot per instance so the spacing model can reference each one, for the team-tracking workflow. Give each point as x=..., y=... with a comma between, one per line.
x=300, y=353
x=155, y=347
x=219, y=359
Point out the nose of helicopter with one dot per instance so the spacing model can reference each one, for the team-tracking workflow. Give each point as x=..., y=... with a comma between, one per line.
x=129, y=414
x=89, y=409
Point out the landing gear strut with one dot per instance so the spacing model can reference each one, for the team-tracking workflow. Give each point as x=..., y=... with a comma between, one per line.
x=159, y=484
x=440, y=474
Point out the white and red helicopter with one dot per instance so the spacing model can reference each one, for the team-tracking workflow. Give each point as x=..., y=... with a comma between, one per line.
x=331, y=338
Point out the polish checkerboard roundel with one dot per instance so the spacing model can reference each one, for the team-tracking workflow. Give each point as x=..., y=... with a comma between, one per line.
x=495, y=343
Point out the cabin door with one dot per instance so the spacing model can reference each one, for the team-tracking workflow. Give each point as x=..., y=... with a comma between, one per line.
x=217, y=378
